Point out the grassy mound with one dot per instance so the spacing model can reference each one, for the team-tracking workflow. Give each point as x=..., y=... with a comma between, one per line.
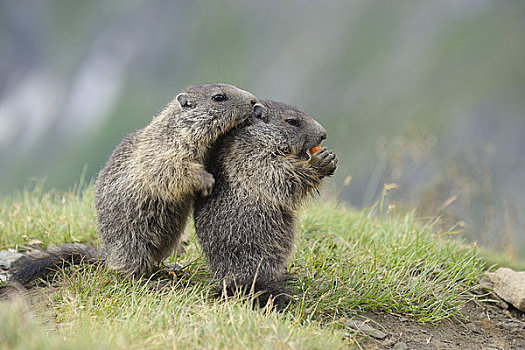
x=346, y=262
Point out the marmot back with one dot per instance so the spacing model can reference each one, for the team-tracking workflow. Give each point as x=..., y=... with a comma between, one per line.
x=263, y=171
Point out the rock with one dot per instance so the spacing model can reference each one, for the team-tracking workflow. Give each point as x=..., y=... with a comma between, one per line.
x=511, y=325
x=400, y=346
x=366, y=329
x=486, y=286
x=8, y=258
x=3, y=276
x=473, y=328
x=509, y=285
x=175, y=267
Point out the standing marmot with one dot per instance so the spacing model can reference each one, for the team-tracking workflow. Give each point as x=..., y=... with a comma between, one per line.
x=262, y=173
x=144, y=193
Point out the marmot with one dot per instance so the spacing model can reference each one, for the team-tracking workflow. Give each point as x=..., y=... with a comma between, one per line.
x=144, y=193
x=262, y=173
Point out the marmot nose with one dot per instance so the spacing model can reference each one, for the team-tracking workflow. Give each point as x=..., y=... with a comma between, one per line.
x=323, y=135
x=253, y=101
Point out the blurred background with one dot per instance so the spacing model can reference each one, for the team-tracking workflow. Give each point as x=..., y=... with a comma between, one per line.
x=429, y=95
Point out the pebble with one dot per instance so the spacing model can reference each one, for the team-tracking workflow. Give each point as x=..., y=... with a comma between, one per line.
x=473, y=328
x=400, y=346
x=511, y=325
x=3, y=276
x=8, y=258
x=366, y=329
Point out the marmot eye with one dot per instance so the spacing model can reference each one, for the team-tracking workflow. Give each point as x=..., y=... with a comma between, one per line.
x=219, y=98
x=293, y=122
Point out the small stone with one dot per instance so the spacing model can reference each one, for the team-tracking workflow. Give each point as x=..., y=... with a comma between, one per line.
x=8, y=258
x=511, y=325
x=3, y=276
x=366, y=329
x=510, y=286
x=400, y=346
x=486, y=286
x=175, y=267
x=473, y=328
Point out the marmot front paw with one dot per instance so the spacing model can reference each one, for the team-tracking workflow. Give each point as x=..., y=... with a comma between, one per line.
x=326, y=160
x=206, y=185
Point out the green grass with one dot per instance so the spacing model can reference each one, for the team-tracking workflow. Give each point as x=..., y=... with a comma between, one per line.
x=47, y=217
x=347, y=262
x=355, y=261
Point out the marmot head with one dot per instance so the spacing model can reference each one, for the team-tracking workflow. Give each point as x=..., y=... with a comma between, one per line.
x=217, y=100
x=288, y=129
x=210, y=110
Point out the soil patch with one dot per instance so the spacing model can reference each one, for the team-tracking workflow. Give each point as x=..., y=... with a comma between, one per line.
x=486, y=327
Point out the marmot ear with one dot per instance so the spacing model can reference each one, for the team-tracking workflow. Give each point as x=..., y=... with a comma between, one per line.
x=260, y=112
x=183, y=99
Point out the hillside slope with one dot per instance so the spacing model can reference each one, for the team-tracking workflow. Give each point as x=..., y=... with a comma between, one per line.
x=398, y=275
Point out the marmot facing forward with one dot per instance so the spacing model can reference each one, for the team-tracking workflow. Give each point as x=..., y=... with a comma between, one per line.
x=262, y=173
x=145, y=191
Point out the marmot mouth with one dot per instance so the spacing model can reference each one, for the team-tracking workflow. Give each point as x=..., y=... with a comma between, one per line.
x=306, y=154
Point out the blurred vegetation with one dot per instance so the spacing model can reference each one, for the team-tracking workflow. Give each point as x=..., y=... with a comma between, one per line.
x=428, y=95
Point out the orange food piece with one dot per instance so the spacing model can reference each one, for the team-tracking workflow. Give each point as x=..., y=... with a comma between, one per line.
x=314, y=149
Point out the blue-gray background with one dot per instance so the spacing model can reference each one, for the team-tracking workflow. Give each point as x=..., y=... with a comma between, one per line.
x=429, y=95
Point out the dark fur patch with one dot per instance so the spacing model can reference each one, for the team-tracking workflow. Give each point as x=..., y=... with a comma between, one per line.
x=247, y=226
x=261, y=291
x=32, y=269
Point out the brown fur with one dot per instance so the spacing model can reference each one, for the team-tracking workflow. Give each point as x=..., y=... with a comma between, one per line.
x=145, y=192
x=263, y=173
